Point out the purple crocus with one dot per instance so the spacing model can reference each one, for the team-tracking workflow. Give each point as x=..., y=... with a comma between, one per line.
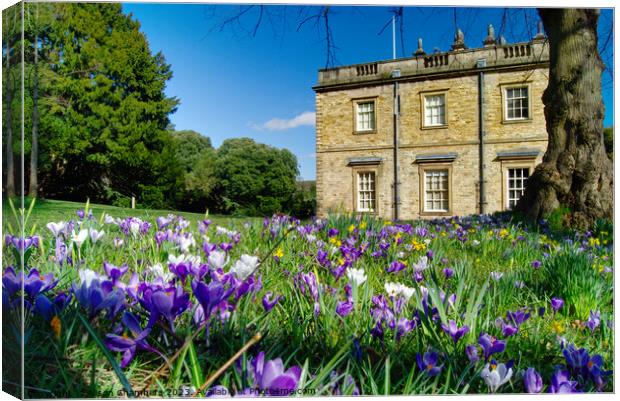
x=226, y=246
x=209, y=296
x=472, y=353
x=396, y=266
x=428, y=363
x=517, y=318
x=271, y=378
x=332, y=232
x=508, y=329
x=94, y=296
x=490, y=345
x=169, y=303
x=37, y=283
x=595, y=371
x=594, y=320
x=536, y=264
x=561, y=383
x=61, y=252
x=576, y=359
x=344, y=308
x=126, y=344
x=22, y=244
x=115, y=272
x=269, y=303
x=448, y=272
x=532, y=381
x=455, y=332
x=557, y=303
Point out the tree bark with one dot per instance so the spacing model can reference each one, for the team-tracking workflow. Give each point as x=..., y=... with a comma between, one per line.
x=575, y=172
x=34, y=149
x=10, y=163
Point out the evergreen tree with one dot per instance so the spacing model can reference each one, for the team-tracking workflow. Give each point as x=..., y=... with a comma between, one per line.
x=103, y=134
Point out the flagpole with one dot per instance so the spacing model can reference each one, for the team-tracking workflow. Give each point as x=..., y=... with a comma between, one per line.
x=394, y=37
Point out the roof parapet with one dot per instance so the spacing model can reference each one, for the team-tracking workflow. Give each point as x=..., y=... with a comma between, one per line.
x=535, y=52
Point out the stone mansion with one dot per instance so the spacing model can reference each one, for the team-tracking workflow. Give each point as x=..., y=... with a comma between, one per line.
x=433, y=135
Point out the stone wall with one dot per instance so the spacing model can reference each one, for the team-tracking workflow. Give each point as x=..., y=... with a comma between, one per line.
x=338, y=143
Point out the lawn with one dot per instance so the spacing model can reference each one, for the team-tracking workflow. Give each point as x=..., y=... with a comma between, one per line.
x=46, y=210
x=344, y=305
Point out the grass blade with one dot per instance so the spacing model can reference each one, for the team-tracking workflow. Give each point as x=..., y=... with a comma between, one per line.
x=106, y=352
x=194, y=366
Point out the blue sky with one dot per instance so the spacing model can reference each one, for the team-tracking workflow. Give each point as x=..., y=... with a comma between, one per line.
x=232, y=84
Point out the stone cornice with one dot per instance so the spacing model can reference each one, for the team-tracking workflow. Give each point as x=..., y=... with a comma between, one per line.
x=513, y=57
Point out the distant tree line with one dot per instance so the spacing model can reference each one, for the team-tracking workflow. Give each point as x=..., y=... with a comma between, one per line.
x=97, y=118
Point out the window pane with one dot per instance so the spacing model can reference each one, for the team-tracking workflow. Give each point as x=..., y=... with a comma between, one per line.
x=434, y=110
x=517, y=103
x=366, y=192
x=436, y=190
x=365, y=116
x=516, y=184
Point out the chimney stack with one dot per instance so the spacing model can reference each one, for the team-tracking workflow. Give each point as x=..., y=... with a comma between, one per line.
x=540, y=36
x=490, y=39
x=420, y=51
x=459, y=41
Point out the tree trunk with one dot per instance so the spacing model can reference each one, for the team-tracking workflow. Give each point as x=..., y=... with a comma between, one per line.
x=575, y=172
x=34, y=150
x=10, y=163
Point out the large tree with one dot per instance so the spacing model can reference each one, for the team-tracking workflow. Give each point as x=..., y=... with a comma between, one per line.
x=104, y=130
x=576, y=172
x=254, y=178
x=197, y=158
x=10, y=33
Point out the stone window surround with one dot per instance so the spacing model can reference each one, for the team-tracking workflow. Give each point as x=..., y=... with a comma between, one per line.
x=434, y=92
x=422, y=167
x=365, y=168
x=529, y=163
x=367, y=99
x=504, y=111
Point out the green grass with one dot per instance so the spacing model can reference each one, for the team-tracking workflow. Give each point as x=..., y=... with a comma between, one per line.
x=46, y=210
x=330, y=349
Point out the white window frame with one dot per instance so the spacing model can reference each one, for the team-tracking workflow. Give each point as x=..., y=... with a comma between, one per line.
x=445, y=199
x=520, y=180
x=528, y=102
x=441, y=122
x=372, y=120
x=367, y=178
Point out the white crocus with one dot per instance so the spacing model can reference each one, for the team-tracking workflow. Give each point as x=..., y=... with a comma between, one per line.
x=175, y=260
x=394, y=289
x=87, y=276
x=356, y=276
x=107, y=219
x=244, y=266
x=185, y=243
x=495, y=375
x=95, y=235
x=217, y=259
x=406, y=292
x=496, y=275
x=134, y=227
x=80, y=237
x=193, y=259
x=56, y=228
x=158, y=271
x=222, y=230
x=421, y=265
